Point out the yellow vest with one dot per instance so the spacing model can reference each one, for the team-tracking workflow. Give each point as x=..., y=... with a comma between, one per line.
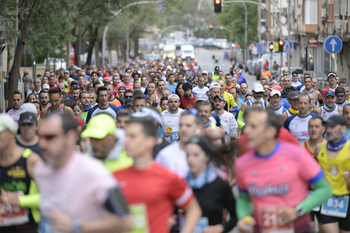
x=123, y=161
x=335, y=167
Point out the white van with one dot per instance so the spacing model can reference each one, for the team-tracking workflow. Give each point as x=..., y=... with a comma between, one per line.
x=187, y=51
x=276, y=57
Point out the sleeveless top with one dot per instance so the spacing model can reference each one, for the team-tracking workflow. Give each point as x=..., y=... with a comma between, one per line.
x=15, y=178
x=326, y=114
x=49, y=111
x=335, y=167
x=157, y=100
x=263, y=102
x=313, y=92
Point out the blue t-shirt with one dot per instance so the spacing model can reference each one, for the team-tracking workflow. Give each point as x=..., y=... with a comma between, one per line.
x=171, y=88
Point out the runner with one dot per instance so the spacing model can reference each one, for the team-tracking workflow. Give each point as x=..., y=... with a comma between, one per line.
x=346, y=115
x=241, y=79
x=153, y=196
x=171, y=119
x=297, y=124
x=309, y=89
x=126, y=82
x=37, y=88
x=332, y=83
x=171, y=85
x=243, y=91
x=276, y=194
x=56, y=106
x=160, y=88
x=85, y=103
x=333, y=156
x=107, y=142
x=164, y=103
x=19, y=199
x=201, y=88
x=151, y=96
x=17, y=99
x=230, y=104
x=341, y=99
x=187, y=100
x=44, y=100
x=316, y=130
x=313, y=107
x=330, y=108
x=235, y=94
x=139, y=102
x=71, y=202
x=293, y=98
x=275, y=99
x=122, y=117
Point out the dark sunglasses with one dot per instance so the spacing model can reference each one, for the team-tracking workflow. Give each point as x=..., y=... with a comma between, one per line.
x=128, y=96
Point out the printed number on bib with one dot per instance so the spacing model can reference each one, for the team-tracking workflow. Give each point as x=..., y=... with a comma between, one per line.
x=139, y=218
x=270, y=222
x=12, y=214
x=174, y=136
x=336, y=206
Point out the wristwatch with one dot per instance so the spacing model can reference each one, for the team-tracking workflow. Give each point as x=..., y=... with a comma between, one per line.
x=299, y=211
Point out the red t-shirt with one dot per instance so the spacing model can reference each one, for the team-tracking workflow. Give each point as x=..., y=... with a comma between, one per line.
x=228, y=89
x=158, y=189
x=283, y=136
x=187, y=103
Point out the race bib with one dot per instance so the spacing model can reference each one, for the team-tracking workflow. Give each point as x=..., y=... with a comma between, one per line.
x=270, y=222
x=139, y=218
x=174, y=136
x=12, y=214
x=336, y=206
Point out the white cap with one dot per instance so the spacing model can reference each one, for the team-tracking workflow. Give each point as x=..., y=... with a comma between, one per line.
x=258, y=88
x=173, y=96
x=46, y=86
x=27, y=107
x=275, y=92
x=78, y=68
x=204, y=72
x=186, y=68
x=7, y=123
x=214, y=85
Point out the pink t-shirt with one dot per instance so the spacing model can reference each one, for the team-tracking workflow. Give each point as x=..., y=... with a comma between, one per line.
x=279, y=179
x=129, y=86
x=78, y=189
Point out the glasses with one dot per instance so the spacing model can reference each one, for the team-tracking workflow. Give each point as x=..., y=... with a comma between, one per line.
x=259, y=93
x=295, y=75
x=128, y=96
x=340, y=95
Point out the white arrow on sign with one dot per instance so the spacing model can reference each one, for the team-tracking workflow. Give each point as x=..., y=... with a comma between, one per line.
x=333, y=43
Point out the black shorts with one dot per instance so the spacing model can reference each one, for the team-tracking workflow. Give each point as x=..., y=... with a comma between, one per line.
x=344, y=223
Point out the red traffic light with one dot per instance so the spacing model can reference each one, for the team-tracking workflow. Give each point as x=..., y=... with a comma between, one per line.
x=238, y=46
x=280, y=42
x=217, y=1
x=217, y=6
x=210, y=26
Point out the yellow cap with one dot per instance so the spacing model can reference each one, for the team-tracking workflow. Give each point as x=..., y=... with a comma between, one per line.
x=99, y=127
x=247, y=219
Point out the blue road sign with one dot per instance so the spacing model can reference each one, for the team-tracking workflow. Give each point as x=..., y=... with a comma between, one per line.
x=285, y=47
x=260, y=48
x=333, y=44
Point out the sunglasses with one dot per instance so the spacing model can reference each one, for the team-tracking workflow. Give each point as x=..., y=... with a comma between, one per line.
x=128, y=96
x=48, y=137
x=259, y=93
x=340, y=95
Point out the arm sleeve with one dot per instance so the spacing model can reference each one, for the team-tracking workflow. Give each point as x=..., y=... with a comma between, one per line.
x=240, y=119
x=230, y=204
x=322, y=192
x=244, y=206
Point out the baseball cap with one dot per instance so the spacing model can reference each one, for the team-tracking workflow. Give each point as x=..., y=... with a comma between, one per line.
x=330, y=74
x=214, y=85
x=27, y=118
x=106, y=79
x=106, y=74
x=220, y=97
x=217, y=68
x=73, y=83
x=99, y=127
x=293, y=95
x=201, y=97
x=210, y=73
x=329, y=93
x=274, y=92
x=340, y=89
x=258, y=88
x=46, y=86
x=237, y=68
x=336, y=120
x=205, y=72
x=122, y=88
x=66, y=71
x=278, y=88
x=128, y=101
x=7, y=123
x=173, y=96
x=78, y=68
x=27, y=107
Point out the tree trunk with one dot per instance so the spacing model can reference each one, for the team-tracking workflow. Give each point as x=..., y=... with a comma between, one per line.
x=93, y=38
x=123, y=51
x=23, y=27
x=2, y=5
x=136, y=45
x=97, y=52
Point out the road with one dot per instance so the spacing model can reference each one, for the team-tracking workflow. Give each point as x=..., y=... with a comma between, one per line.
x=205, y=61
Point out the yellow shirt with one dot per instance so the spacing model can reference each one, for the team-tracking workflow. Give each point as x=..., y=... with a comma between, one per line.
x=231, y=103
x=335, y=167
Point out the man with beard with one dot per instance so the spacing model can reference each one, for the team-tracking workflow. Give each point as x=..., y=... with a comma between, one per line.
x=56, y=106
x=243, y=91
x=330, y=108
x=333, y=156
x=171, y=119
x=75, y=94
x=13, y=111
x=44, y=100
x=187, y=100
x=341, y=99
x=309, y=89
x=85, y=103
x=111, y=98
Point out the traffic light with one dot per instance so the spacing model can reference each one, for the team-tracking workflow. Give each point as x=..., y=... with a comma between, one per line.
x=280, y=46
x=34, y=63
x=233, y=45
x=217, y=6
x=210, y=26
x=238, y=46
x=271, y=46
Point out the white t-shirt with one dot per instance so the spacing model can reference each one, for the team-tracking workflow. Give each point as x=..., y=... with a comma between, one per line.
x=172, y=120
x=296, y=84
x=173, y=158
x=230, y=125
x=198, y=90
x=79, y=189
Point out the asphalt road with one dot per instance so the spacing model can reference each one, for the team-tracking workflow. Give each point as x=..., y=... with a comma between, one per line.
x=205, y=61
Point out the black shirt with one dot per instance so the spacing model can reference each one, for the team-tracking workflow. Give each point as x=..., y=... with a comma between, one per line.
x=34, y=148
x=213, y=199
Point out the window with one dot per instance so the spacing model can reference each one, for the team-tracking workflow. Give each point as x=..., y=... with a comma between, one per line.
x=311, y=12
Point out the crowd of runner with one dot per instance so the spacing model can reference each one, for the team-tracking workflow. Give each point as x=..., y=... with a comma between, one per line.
x=156, y=147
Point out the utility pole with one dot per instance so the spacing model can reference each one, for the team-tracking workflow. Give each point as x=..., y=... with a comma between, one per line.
x=288, y=45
